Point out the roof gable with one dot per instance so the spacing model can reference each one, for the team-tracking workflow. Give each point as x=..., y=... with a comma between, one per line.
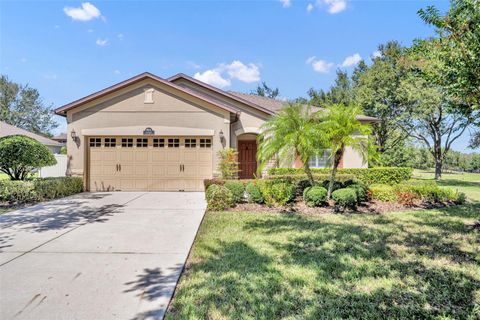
x=146, y=75
x=228, y=95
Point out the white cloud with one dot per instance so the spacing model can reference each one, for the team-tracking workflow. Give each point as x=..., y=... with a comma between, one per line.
x=213, y=77
x=310, y=7
x=102, y=42
x=320, y=66
x=117, y=72
x=335, y=6
x=224, y=73
x=376, y=54
x=90, y=30
x=84, y=13
x=245, y=73
x=351, y=60
x=286, y=3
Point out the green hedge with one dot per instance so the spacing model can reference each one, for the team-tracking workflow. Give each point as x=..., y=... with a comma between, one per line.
x=386, y=175
x=219, y=198
x=383, y=192
x=315, y=196
x=237, y=189
x=254, y=194
x=344, y=199
x=277, y=192
x=39, y=189
x=53, y=188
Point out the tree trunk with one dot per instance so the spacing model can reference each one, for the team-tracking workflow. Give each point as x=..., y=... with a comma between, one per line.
x=306, y=168
x=437, y=154
x=438, y=168
x=336, y=163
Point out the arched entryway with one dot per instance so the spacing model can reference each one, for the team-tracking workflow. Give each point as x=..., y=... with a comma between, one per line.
x=247, y=155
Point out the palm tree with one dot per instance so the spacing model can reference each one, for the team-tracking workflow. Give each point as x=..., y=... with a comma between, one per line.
x=342, y=129
x=291, y=133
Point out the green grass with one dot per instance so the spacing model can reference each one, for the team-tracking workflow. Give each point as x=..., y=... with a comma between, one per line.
x=464, y=182
x=419, y=264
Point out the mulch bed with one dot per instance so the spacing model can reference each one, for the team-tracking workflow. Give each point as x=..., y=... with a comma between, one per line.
x=373, y=207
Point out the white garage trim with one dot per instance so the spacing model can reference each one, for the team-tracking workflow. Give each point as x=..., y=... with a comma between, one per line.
x=138, y=131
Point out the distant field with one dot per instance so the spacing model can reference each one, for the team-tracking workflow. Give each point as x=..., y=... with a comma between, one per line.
x=464, y=182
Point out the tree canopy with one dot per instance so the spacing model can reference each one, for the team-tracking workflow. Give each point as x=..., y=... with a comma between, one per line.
x=20, y=155
x=22, y=106
x=264, y=90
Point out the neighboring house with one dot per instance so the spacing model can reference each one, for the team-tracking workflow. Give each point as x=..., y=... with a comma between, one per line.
x=9, y=130
x=149, y=133
x=61, y=138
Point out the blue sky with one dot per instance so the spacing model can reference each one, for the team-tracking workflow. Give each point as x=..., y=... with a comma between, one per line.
x=70, y=49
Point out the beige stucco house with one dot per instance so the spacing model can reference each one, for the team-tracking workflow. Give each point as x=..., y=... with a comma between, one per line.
x=154, y=134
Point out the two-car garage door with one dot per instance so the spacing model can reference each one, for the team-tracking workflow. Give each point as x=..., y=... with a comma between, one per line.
x=149, y=163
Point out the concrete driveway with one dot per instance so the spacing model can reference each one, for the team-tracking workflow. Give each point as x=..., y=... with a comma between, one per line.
x=96, y=255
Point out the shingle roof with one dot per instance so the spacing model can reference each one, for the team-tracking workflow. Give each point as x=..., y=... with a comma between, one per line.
x=61, y=136
x=9, y=130
x=276, y=105
x=268, y=103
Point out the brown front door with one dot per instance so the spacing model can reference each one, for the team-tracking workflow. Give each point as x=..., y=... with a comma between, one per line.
x=247, y=152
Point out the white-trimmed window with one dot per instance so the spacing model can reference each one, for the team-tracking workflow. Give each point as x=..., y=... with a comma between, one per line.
x=158, y=142
x=127, y=142
x=142, y=142
x=205, y=143
x=190, y=143
x=110, y=142
x=96, y=142
x=320, y=160
x=173, y=143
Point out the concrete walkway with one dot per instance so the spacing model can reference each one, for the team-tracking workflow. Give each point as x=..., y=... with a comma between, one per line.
x=96, y=256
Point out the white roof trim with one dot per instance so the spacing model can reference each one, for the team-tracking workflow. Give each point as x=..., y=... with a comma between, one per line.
x=138, y=131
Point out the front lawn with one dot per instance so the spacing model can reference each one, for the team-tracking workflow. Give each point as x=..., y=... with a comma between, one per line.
x=467, y=182
x=270, y=266
x=418, y=264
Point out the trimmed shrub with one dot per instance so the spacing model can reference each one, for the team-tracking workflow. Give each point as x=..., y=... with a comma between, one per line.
x=219, y=197
x=302, y=185
x=382, y=192
x=427, y=191
x=254, y=195
x=336, y=184
x=39, y=189
x=208, y=182
x=296, y=178
x=461, y=198
x=17, y=192
x=228, y=164
x=52, y=188
x=237, y=189
x=20, y=155
x=406, y=198
x=361, y=190
x=344, y=199
x=278, y=192
x=384, y=175
x=315, y=196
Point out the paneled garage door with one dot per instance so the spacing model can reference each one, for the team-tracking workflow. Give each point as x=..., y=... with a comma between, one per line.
x=149, y=163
